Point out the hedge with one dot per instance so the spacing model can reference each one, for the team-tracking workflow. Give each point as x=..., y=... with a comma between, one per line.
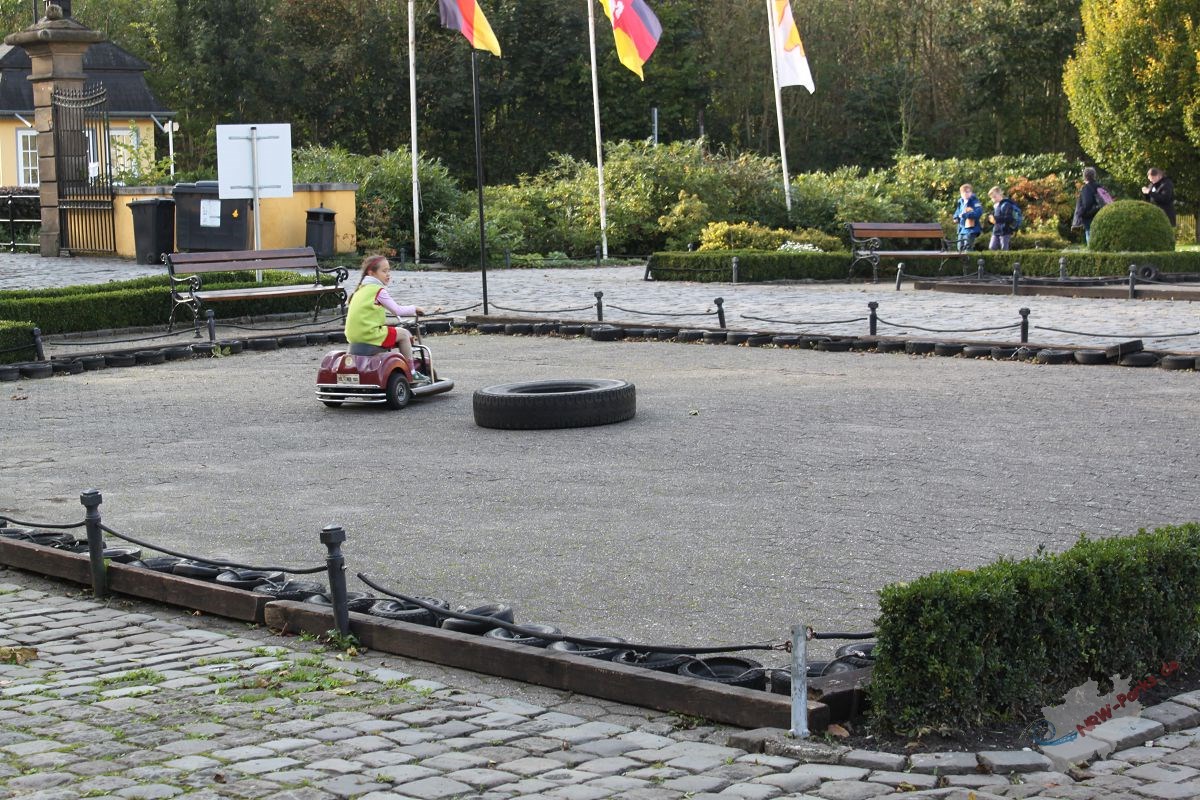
x=770, y=265
x=16, y=341
x=971, y=647
x=136, y=303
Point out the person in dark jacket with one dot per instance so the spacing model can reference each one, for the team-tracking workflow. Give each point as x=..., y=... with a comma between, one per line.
x=967, y=214
x=1088, y=204
x=1161, y=192
x=1003, y=219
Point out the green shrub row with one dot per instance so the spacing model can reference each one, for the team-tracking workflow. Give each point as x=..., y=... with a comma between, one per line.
x=139, y=302
x=760, y=265
x=16, y=341
x=970, y=647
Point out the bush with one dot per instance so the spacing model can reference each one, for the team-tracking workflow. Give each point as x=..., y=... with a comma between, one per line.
x=458, y=238
x=684, y=222
x=139, y=302
x=1131, y=226
x=16, y=341
x=750, y=236
x=753, y=265
x=971, y=647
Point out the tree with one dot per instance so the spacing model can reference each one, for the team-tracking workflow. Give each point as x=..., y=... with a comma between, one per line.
x=1134, y=89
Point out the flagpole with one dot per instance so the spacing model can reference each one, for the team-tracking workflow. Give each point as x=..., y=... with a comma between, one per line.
x=412, y=124
x=479, y=175
x=599, y=143
x=773, y=34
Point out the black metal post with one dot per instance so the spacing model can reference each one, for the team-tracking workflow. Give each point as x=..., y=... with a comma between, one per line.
x=332, y=537
x=1062, y=268
x=734, y=270
x=1132, y=281
x=899, y=275
x=599, y=306
x=403, y=256
x=38, y=348
x=479, y=176
x=91, y=500
x=874, y=317
x=1024, y=312
x=507, y=258
x=211, y=321
x=1016, y=280
x=979, y=268
x=599, y=255
x=12, y=224
x=720, y=303
x=874, y=272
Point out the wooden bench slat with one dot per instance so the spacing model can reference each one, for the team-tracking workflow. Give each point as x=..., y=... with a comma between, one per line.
x=240, y=255
x=264, y=291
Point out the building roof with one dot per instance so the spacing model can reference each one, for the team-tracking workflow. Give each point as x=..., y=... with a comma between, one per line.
x=104, y=62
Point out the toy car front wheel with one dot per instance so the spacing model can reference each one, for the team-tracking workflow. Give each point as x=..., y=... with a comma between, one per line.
x=332, y=403
x=398, y=391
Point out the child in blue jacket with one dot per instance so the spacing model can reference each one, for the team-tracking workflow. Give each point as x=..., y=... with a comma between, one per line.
x=967, y=214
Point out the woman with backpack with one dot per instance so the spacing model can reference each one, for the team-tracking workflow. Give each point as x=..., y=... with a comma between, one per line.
x=1005, y=218
x=1092, y=198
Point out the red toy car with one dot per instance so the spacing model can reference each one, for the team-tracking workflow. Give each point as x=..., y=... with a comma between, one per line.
x=366, y=374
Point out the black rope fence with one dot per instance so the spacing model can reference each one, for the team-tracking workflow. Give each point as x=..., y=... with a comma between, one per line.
x=115, y=341
x=1119, y=335
x=217, y=562
x=883, y=321
x=281, y=327
x=543, y=310
x=23, y=524
x=664, y=313
x=806, y=322
x=18, y=349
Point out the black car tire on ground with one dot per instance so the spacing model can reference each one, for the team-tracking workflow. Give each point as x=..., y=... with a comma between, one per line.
x=37, y=369
x=539, y=405
x=498, y=611
x=785, y=340
x=812, y=341
x=294, y=340
x=663, y=334
x=247, y=578
x=919, y=348
x=716, y=337
x=9, y=374
x=490, y=327
x=947, y=349
x=523, y=328
x=398, y=393
x=1027, y=353
x=1142, y=359
x=544, y=328
x=262, y=344
x=589, y=651
x=759, y=339
x=150, y=356
x=91, y=363
x=67, y=366
x=1091, y=357
x=659, y=662
x=729, y=670
x=439, y=326
x=119, y=359
x=890, y=346
x=1003, y=353
x=977, y=351
x=178, y=353
x=689, y=336
x=1178, y=362
x=316, y=338
x=606, y=333
x=505, y=635
x=1055, y=357
x=570, y=330
x=833, y=346
x=737, y=337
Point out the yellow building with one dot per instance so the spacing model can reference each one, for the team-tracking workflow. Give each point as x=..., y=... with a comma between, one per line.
x=133, y=113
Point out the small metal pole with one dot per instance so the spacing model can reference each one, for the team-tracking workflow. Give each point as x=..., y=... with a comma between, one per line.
x=507, y=258
x=1062, y=268
x=874, y=272
x=1132, y=281
x=38, y=347
x=403, y=255
x=599, y=253
x=799, y=682
x=735, y=269
x=332, y=537
x=599, y=306
x=211, y=321
x=91, y=500
x=1016, y=280
x=720, y=304
x=979, y=268
x=899, y=275
x=1024, y=312
x=874, y=306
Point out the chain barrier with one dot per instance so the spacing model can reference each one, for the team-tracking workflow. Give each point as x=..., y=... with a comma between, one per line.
x=17, y=349
x=23, y=524
x=543, y=310
x=114, y=341
x=663, y=313
x=281, y=327
x=883, y=321
x=560, y=637
x=806, y=322
x=456, y=310
x=217, y=562
x=1119, y=335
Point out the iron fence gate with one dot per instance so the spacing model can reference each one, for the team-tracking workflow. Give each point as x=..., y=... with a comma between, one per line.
x=83, y=159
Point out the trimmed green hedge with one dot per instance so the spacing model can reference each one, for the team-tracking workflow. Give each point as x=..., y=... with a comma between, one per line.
x=17, y=337
x=771, y=265
x=965, y=648
x=140, y=302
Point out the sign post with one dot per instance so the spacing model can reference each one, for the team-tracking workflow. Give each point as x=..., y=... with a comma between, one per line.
x=255, y=162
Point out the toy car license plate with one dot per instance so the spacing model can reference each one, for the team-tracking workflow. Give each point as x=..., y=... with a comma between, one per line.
x=350, y=379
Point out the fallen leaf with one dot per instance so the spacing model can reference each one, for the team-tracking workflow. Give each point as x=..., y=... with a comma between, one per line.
x=19, y=397
x=17, y=655
x=837, y=730
x=694, y=412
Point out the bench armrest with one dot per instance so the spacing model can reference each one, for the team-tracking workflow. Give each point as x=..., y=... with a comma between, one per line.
x=192, y=281
x=340, y=274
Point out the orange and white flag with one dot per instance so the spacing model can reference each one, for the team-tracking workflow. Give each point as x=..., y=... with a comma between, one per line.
x=789, y=51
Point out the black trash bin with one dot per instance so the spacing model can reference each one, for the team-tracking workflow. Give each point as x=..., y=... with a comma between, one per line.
x=319, y=231
x=153, y=228
x=205, y=222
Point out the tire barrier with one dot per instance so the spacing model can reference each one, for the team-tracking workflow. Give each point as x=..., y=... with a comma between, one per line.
x=1178, y=362
x=727, y=670
x=1054, y=357
x=598, y=652
x=36, y=369
x=1027, y=353
x=296, y=340
x=1142, y=359
x=149, y=357
x=522, y=328
x=605, y=333
x=491, y=614
x=1091, y=357
x=715, y=337
x=833, y=346
x=570, y=330
x=262, y=344
x=977, y=351
x=541, y=405
x=525, y=639
x=947, y=349
x=891, y=346
x=1004, y=353
x=119, y=360
x=919, y=348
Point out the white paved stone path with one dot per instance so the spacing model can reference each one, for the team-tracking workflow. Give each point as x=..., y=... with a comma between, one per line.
x=121, y=703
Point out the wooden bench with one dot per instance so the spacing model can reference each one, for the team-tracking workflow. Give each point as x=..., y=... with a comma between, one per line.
x=866, y=239
x=187, y=289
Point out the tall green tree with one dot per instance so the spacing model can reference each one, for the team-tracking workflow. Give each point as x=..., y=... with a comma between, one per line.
x=1134, y=84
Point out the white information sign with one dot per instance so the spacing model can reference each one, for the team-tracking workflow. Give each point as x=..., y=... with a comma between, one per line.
x=245, y=152
x=210, y=213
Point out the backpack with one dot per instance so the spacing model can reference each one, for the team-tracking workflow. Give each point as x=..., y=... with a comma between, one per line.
x=1018, y=218
x=1103, y=195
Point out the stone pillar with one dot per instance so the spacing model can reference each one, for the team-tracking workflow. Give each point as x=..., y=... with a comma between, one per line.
x=56, y=46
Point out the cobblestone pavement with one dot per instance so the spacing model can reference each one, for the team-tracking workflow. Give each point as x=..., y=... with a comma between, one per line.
x=129, y=700
x=536, y=290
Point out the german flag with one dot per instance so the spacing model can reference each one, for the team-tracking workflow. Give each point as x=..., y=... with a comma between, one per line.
x=636, y=30
x=466, y=17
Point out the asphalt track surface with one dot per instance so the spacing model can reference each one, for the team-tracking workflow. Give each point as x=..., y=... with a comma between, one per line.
x=756, y=488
